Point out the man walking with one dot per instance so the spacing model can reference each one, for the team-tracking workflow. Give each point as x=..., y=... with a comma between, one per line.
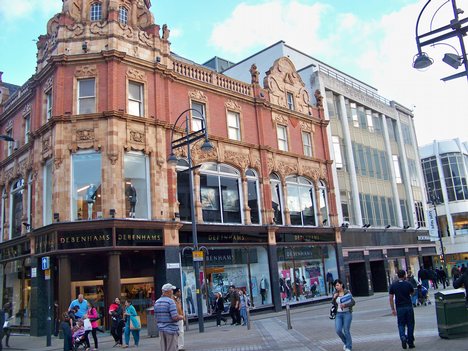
x=234, y=308
x=165, y=312
x=82, y=304
x=400, y=296
x=462, y=281
x=180, y=311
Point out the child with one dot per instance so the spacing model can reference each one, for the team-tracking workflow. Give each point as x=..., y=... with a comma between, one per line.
x=67, y=333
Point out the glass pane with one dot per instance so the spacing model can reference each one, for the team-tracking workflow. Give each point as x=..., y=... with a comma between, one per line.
x=134, y=91
x=231, y=200
x=307, y=205
x=136, y=191
x=87, y=105
x=86, y=191
x=183, y=195
x=134, y=108
x=86, y=87
x=253, y=201
x=294, y=204
x=209, y=197
x=276, y=202
x=323, y=205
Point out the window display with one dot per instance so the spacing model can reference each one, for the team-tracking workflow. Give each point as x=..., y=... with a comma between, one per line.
x=136, y=185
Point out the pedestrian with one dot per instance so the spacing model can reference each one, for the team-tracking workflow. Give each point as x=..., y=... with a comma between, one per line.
x=219, y=309
x=117, y=322
x=3, y=318
x=234, y=308
x=455, y=274
x=400, y=293
x=414, y=284
x=442, y=276
x=177, y=296
x=462, y=281
x=66, y=331
x=130, y=318
x=344, y=302
x=72, y=315
x=423, y=277
x=93, y=316
x=433, y=277
x=82, y=304
x=244, y=304
x=165, y=312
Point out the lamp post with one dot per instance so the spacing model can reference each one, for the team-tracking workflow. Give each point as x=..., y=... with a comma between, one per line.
x=189, y=138
x=434, y=201
x=6, y=138
x=457, y=27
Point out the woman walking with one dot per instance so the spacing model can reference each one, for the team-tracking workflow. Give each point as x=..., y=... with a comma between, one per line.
x=244, y=304
x=219, y=308
x=130, y=315
x=93, y=317
x=117, y=323
x=344, y=302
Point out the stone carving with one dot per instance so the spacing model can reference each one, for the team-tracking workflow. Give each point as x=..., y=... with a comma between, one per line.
x=165, y=32
x=280, y=119
x=48, y=83
x=254, y=74
x=72, y=8
x=84, y=135
x=136, y=74
x=286, y=169
x=318, y=98
x=86, y=71
x=270, y=165
x=307, y=127
x=145, y=38
x=233, y=105
x=127, y=31
x=113, y=157
x=26, y=109
x=9, y=124
x=199, y=156
x=282, y=78
x=58, y=162
x=137, y=137
x=198, y=95
x=98, y=28
x=238, y=159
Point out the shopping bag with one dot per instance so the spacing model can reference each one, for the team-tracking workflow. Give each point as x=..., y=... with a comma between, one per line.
x=87, y=324
x=135, y=323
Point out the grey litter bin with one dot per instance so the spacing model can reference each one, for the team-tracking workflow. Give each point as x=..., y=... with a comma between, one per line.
x=151, y=325
x=451, y=312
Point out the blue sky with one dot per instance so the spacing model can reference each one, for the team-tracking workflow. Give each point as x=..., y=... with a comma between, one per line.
x=370, y=40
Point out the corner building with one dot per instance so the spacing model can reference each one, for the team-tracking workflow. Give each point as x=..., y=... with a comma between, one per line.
x=87, y=184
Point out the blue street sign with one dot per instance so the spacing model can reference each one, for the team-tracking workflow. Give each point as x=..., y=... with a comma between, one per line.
x=45, y=263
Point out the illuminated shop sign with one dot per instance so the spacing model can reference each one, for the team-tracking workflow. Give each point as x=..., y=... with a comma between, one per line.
x=208, y=238
x=305, y=238
x=139, y=237
x=84, y=239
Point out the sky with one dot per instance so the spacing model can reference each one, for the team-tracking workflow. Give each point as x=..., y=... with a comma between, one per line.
x=373, y=41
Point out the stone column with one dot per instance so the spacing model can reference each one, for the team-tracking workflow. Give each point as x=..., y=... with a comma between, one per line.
x=64, y=283
x=273, y=264
x=113, y=277
x=285, y=209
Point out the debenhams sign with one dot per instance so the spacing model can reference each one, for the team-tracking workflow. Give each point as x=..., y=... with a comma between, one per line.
x=103, y=238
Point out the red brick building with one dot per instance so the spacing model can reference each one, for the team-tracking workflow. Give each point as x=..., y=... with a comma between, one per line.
x=87, y=184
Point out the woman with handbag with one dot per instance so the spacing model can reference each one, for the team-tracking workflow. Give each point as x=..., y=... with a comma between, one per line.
x=93, y=316
x=344, y=302
x=132, y=324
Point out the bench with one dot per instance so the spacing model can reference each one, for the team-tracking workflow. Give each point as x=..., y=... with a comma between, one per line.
x=12, y=329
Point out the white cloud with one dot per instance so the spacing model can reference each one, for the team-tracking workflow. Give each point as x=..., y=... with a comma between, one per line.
x=377, y=51
x=26, y=8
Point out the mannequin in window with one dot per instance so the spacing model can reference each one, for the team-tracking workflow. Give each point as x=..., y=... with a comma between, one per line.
x=132, y=199
x=263, y=288
x=329, y=278
x=91, y=194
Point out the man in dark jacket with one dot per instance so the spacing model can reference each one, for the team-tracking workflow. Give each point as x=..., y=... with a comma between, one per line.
x=423, y=277
x=463, y=281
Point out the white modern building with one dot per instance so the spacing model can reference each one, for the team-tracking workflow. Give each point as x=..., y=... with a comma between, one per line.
x=379, y=185
x=445, y=167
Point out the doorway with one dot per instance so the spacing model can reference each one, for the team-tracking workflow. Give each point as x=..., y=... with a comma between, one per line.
x=358, y=277
x=379, y=276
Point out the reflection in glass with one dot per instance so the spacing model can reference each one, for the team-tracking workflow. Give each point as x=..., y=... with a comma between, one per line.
x=136, y=186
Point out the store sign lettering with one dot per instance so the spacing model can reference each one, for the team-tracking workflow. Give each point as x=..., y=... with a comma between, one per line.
x=139, y=237
x=77, y=240
x=226, y=237
x=84, y=238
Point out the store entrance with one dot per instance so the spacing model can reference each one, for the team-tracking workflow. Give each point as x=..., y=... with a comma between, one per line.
x=379, y=276
x=139, y=290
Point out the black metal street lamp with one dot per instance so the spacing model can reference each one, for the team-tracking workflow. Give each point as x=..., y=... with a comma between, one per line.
x=189, y=138
x=6, y=138
x=456, y=28
x=435, y=201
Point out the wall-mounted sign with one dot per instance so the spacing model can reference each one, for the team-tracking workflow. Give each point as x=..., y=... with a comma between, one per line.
x=172, y=265
x=139, y=237
x=45, y=261
x=211, y=238
x=304, y=237
x=84, y=239
x=33, y=272
x=197, y=256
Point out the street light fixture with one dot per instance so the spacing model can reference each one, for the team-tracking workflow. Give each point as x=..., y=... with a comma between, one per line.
x=189, y=138
x=6, y=138
x=456, y=28
x=435, y=201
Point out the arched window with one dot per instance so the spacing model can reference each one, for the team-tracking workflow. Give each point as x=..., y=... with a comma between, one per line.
x=253, y=196
x=220, y=193
x=301, y=203
x=276, y=199
x=123, y=15
x=323, y=203
x=96, y=11
x=16, y=208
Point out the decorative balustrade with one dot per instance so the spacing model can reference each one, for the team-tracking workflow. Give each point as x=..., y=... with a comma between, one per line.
x=207, y=76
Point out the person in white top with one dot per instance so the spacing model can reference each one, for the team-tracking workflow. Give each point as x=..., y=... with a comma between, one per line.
x=344, y=302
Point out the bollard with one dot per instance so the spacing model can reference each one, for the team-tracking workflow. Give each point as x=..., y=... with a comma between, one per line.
x=288, y=316
x=248, y=318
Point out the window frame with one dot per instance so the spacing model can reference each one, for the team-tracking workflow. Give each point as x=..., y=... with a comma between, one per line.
x=307, y=147
x=195, y=117
x=336, y=142
x=140, y=102
x=275, y=183
x=235, y=129
x=14, y=190
x=301, y=183
x=396, y=168
x=123, y=15
x=95, y=15
x=283, y=143
x=48, y=104
x=86, y=97
x=290, y=101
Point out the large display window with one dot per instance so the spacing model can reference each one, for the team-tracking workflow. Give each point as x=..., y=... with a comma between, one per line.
x=136, y=185
x=17, y=292
x=304, y=270
x=246, y=268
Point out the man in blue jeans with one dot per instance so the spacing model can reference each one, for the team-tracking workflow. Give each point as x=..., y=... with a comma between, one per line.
x=400, y=296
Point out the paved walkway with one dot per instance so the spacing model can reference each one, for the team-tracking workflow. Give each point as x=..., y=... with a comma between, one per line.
x=373, y=328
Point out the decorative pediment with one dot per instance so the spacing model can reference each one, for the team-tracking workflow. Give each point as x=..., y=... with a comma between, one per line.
x=136, y=74
x=233, y=105
x=280, y=119
x=26, y=110
x=307, y=127
x=240, y=160
x=198, y=95
x=281, y=79
x=48, y=83
x=86, y=71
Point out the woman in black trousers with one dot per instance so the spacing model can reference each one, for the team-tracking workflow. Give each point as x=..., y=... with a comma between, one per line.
x=116, y=313
x=219, y=308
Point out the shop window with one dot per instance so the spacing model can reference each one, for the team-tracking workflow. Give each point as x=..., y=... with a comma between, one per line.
x=183, y=190
x=136, y=186
x=135, y=99
x=17, y=291
x=27, y=128
x=48, y=191
x=220, y=195
x=123, y=15
x=86, y=189
x=301, y=271
x=307, y=143
x=290, y=101
x=199, y=116
x=253, y=198
x=323, y=203
x=301, y=202
x=233, y=120
x=282, y=134
x=86, y=96
x=16, y=208
x=96, y=12
x=225, y=266
x=396, y=166
x=276, y=199
x=49, y=104
x=3, y=213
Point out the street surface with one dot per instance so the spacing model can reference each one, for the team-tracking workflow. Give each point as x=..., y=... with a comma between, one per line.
x=373, y=329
